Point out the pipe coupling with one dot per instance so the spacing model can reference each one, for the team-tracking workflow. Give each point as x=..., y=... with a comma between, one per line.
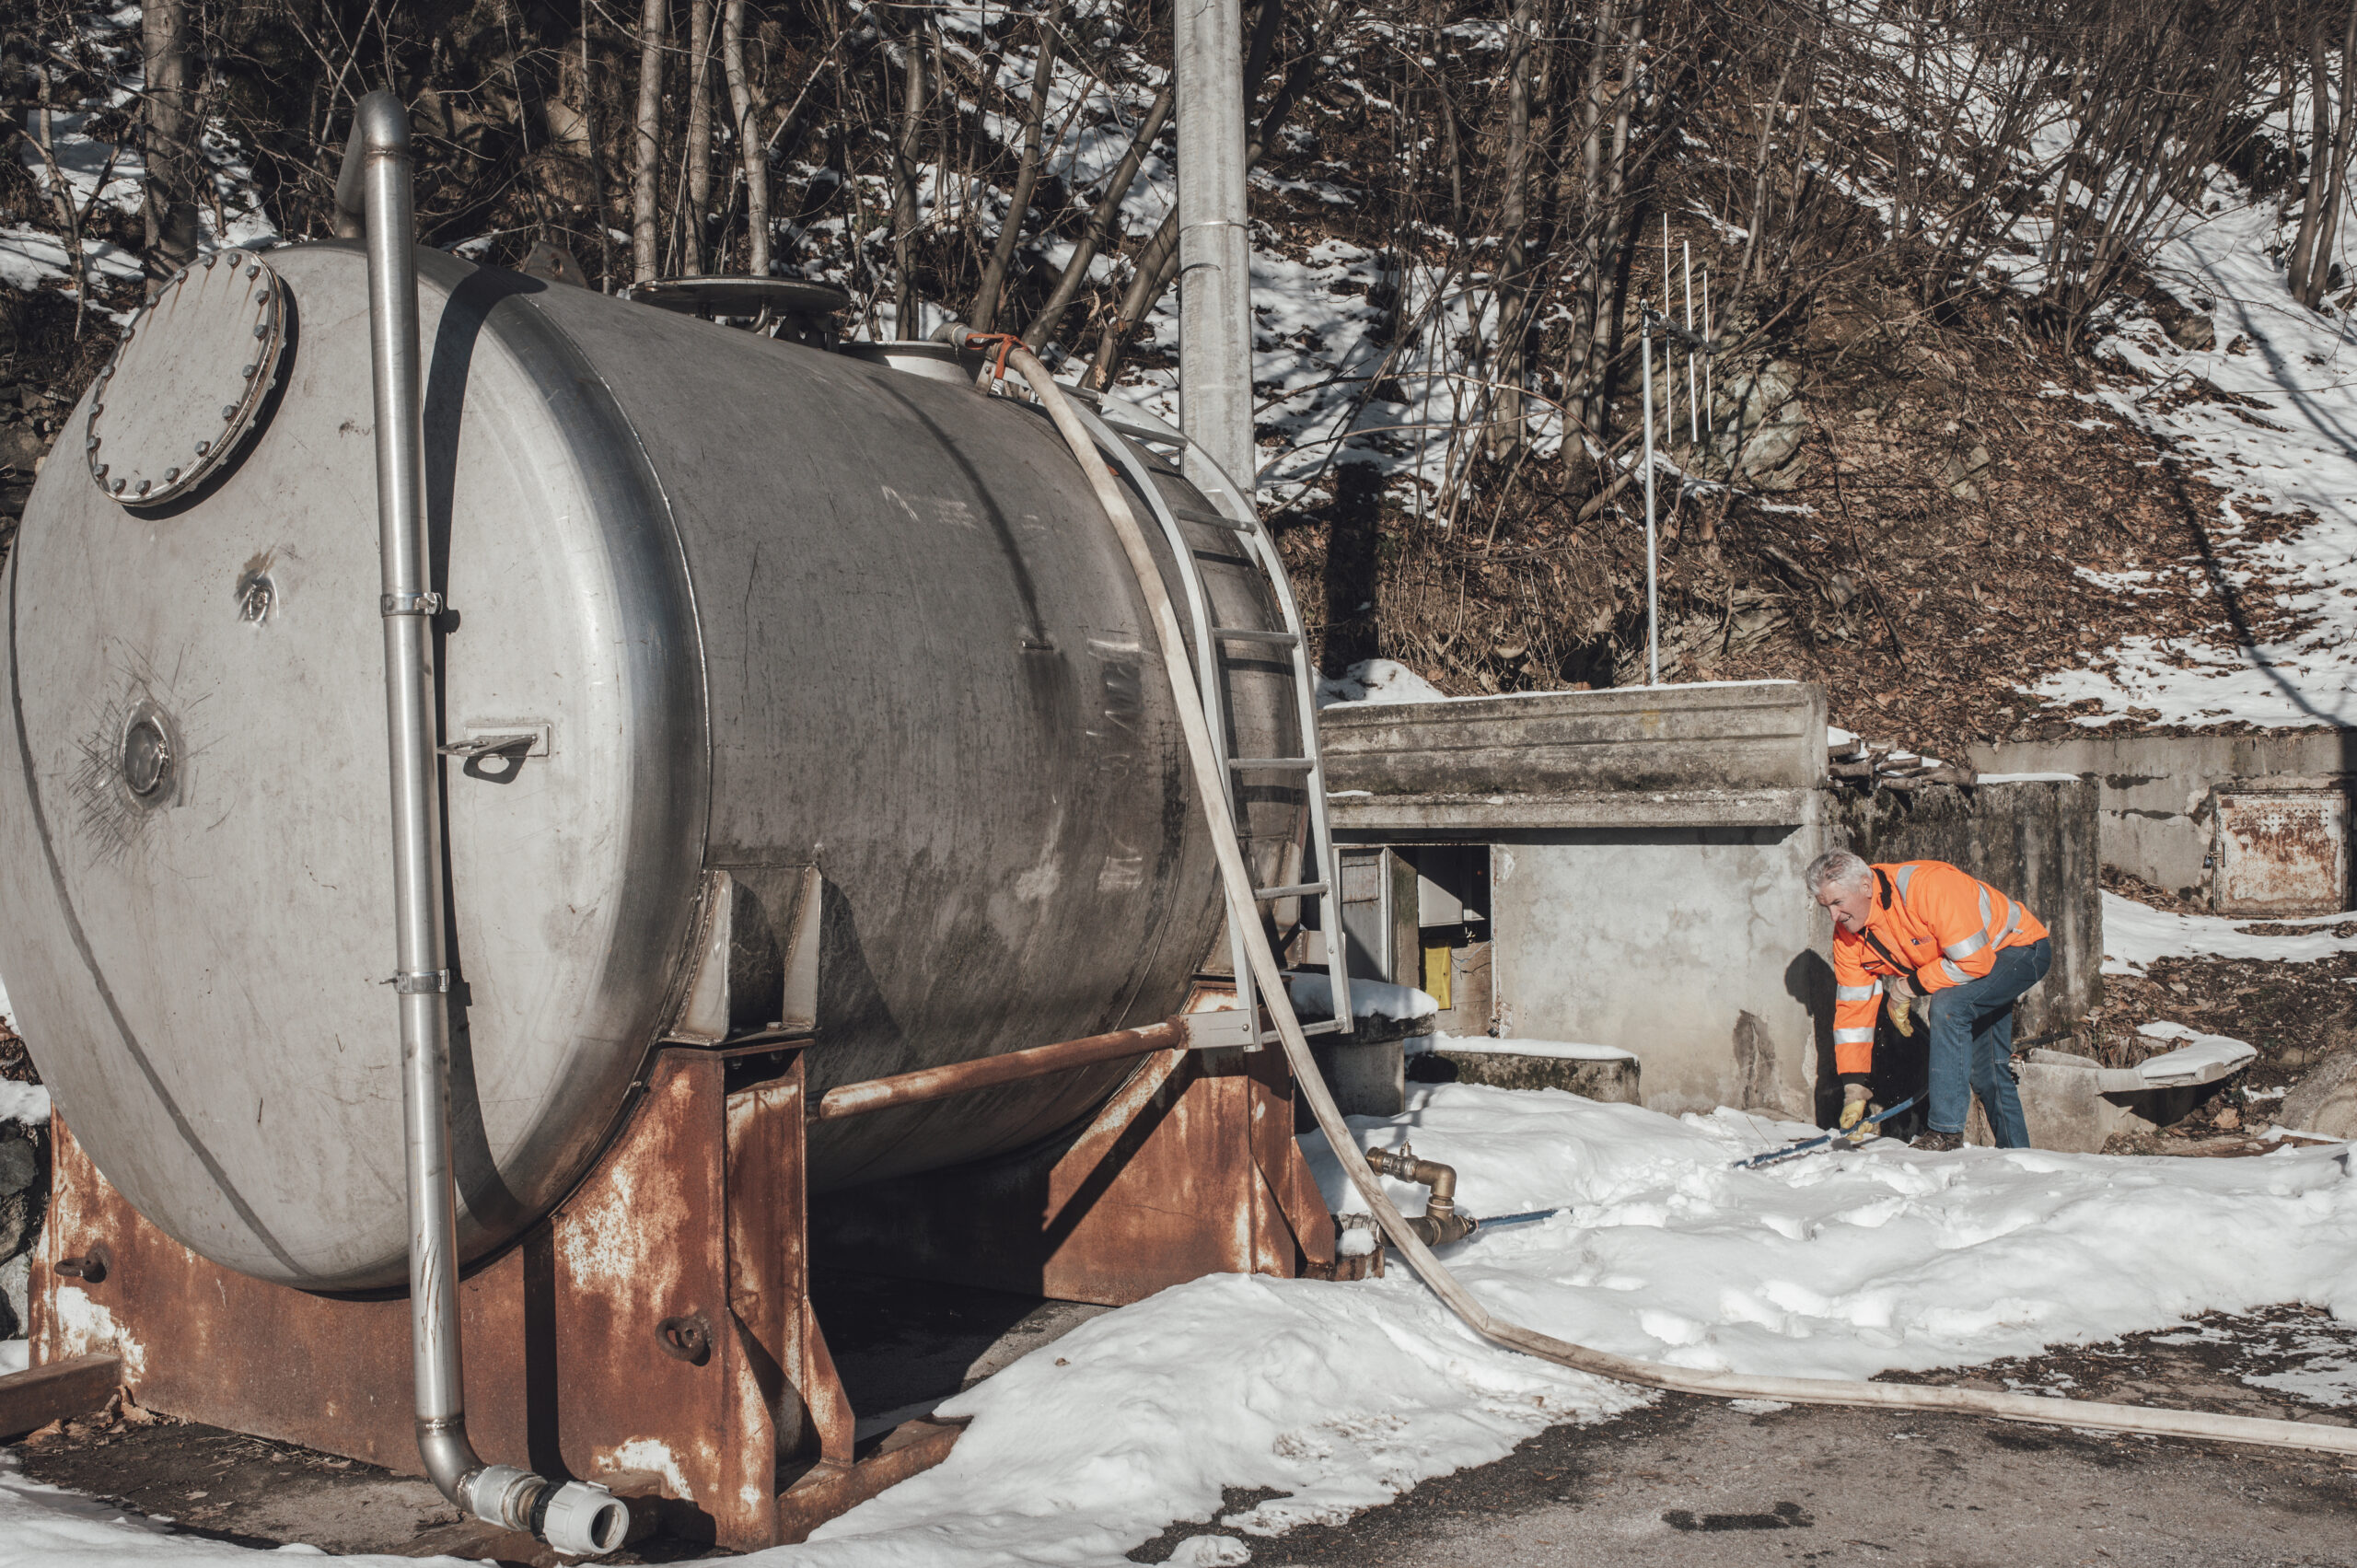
x=579, y=1518
x=1440, y=1223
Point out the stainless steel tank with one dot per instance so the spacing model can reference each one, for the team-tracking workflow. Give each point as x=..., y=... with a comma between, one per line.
x=755, y=606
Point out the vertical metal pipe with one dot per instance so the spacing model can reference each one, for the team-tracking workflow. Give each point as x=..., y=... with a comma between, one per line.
x=373, y=199
x=1652, y=590
x=1214, y=253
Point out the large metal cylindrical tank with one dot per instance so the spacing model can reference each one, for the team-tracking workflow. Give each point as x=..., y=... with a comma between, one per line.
x=759, y=607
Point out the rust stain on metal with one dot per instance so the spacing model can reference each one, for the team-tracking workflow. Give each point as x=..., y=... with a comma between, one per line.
x=658, y=1325
x=2281, y=852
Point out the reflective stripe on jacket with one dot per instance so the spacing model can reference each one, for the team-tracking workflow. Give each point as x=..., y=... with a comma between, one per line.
x=1944, y=925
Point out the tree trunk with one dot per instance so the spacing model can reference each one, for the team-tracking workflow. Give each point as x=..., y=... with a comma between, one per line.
x=646, y=143
x=600, y=221
x=698, y=203
x=1026, y=175
x=1503, y=430
x=169, y=141
x=751, y=151
x=1100, y=225
x=904, y=189
x=1158, y=263
x=2310, y=269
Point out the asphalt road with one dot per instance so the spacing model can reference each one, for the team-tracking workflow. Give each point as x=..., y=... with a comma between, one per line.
x=1695, y=1483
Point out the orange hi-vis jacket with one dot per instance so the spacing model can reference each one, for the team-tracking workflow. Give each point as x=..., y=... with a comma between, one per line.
x=1930, y=920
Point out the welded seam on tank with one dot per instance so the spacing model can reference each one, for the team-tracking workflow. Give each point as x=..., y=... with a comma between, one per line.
x=90, y=960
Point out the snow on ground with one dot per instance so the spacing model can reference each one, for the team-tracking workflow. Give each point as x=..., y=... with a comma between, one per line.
x=2135, y=934
x=2203, y=1058
x=28, y=1103
x=1377, y=680
x=1341, y=1396
x=2283, y=439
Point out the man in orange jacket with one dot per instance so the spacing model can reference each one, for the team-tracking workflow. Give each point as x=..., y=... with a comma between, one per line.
x=1924, y=928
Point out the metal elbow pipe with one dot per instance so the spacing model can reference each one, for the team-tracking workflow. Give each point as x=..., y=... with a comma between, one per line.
x=372, y=202
x=1440, y=1223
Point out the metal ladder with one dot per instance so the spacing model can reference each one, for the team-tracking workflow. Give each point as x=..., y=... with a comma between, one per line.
x=1107, y=422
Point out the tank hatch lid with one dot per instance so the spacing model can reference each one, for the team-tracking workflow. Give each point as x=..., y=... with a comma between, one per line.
x=742, y=296
x=183, y=390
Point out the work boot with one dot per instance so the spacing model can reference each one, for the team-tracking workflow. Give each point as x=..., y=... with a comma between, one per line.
x=1932, y=1143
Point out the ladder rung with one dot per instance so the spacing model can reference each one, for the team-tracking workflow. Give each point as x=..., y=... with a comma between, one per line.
x=1322, y=1026
x=1216, y=519
x=1273, y=764
x=1145, y=437
x=1254, y=634
x=1295, y=890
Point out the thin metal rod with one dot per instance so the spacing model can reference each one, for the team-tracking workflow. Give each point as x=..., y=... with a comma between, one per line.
x=1706, y=337
x=373, y=199
x=1652, y=587
x=1693, y=412
x=989, y=1071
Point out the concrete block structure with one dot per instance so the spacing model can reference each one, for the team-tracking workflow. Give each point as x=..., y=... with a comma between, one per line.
x=2158, y=794
x=1623, y=868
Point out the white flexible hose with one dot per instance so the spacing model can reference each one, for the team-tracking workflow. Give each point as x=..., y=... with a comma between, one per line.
x=1211, y=789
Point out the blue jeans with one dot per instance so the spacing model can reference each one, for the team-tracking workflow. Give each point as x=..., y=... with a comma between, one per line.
x=1972, y=1042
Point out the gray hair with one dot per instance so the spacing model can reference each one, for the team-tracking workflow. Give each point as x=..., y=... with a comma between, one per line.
x=1836, y=868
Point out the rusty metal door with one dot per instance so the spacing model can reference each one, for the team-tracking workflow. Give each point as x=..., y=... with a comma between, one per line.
x=2280, y=852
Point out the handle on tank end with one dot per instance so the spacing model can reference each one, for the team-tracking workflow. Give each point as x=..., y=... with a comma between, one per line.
x=373, y=199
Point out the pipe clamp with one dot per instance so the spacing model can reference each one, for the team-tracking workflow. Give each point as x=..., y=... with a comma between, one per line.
x=390, y=605
x=427, y=982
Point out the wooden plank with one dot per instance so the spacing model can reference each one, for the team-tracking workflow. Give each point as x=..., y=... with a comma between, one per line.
x=61, y=1390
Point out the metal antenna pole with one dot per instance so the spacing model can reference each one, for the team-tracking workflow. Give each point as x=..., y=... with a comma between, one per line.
x=1215, y=255
x=1693, y=413
x=1653, y=579
x=1706, y=337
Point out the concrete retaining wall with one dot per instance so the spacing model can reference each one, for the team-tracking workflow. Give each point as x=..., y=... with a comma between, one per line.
x=2153, y=785
x=2035, y=841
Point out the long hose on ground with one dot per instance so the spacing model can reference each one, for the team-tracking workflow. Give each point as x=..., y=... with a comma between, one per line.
x=1211, y=789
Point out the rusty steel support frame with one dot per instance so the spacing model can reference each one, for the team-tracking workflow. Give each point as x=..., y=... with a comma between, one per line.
x=655, y=1333
x=1192, y=1169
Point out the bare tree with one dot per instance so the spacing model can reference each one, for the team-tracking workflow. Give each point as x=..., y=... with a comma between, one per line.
x=169, y=139
x=751, y=151
x=1026, y=174
x=1101, y=222
x=646, y=141
x=2309, y=269
x=697, y=198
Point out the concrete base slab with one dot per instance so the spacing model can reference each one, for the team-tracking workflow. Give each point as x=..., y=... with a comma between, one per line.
x=1615, y=1082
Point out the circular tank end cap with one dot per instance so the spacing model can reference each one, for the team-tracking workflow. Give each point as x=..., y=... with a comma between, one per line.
x=188, y=381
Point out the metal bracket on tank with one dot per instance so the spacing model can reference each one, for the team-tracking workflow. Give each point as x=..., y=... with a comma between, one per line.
x=753, y=968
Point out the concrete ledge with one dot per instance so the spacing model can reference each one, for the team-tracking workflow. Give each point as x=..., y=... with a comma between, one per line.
x=1745, y=736
x=1614, y=1082
x=1605, y=809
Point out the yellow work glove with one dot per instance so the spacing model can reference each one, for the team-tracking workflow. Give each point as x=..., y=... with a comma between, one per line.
x=1854, y=1098
x=1899, y=1004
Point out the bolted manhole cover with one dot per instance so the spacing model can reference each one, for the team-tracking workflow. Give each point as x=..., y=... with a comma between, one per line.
x=184, y=389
